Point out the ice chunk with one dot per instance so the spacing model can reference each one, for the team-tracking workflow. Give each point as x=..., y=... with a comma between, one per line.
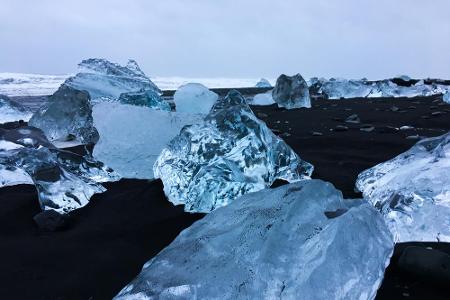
x=291, y=92
x=263, y=99
x=11, y=111
x=132, y=137
x=299, y=240
x=64, y=180
x=149, y=98
x=446, y=96
x=228, y=154
x=412, y=191
x=263, y=83
x=105, y=80
x=194, y=98
x=66, y=116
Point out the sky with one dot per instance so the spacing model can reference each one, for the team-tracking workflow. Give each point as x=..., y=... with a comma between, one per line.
x=230, y=38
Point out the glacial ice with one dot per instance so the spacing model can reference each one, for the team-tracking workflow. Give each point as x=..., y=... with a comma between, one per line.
x=291, y=92
x=412, y=191
x=194, y=98
x=64, y=180
x=262, y=99
x=11, y=111
x=66, y=116
x=105, y=80
x=132, y=137
x=263, y=83
x=149, y=98
x=446, y=96
x=301, y=240
x=228, y=154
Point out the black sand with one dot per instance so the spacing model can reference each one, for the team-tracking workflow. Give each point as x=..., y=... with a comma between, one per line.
x=109, y=240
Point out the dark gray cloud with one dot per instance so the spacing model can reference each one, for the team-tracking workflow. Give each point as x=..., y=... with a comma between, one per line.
x=231, y=38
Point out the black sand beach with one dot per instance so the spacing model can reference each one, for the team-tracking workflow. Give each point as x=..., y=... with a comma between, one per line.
x=106, y=243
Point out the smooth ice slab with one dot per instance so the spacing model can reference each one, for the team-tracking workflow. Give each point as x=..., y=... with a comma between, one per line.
x=299, y=240
x=105, y=80
x=291, y=92
x=11, y=111
x=194, y=98
x=64, y=180
x=412, y=191
x=228, y=154
x=66, y=116
x=263, y=99
x=132, y=137
x=263, y=83
x=149, y=98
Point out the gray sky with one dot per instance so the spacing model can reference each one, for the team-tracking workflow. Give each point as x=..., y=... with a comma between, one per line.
x=230, y=38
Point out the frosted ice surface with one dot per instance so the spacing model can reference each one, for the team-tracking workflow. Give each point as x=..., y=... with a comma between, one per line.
x=291, y=92
x=263, y=99
x=66, y=116
x=11, y=111
x=149, y=98
x=412, y=191
x=299, y=240
x=228, y=154
x=64, y=180
x=132, y=137
x=263, y=83
x=194, y=98
x=105, y=80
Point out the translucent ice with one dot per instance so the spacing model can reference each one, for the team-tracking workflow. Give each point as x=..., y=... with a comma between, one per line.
x=11, y=111
x=194, y=98
x=64, y=180
x=105, y=80
x=132, y=137
x=299, y=241
x=263, y=83
x=412, y=191
x=149, y=98
x=228, y=154
x=291, y=92
x=446, y=96
x=263, y=99
x=66, y=116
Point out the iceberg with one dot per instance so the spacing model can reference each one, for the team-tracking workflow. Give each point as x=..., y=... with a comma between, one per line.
x=106, y=81
x=64, y=180
x=149, y=98
x=263, y=83
x=291, y=92
x=262, y=99
x=194, y=98
x=132, y=137
x=228, y=154
x=412, y=191
x=301, y=240
x=11, y=111
x=66, y=116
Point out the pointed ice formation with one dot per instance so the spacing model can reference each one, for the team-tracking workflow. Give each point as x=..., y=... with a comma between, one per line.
x=64, y=180
x=11, y=111
x=149, y=98
x=194, y=98
x=132, y=137
x=291, y=92
x=301, y=240
x=66, y=116
x=105, y=80
x=412, y=191
x=228, y=154
x=263, y=83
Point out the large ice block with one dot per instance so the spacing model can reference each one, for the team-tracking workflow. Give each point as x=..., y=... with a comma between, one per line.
x=228, y=154
x=291, y=92
x=298, y=241
x=194, y=98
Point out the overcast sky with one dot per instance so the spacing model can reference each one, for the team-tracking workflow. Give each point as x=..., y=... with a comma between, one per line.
x=230, y=38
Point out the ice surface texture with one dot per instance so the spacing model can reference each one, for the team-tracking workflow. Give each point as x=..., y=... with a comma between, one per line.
x=228, y=154
x=194, y=98
x=132, y=137
x=67, y=115
x=105, y=80
x=291, y=92
x=149, y=98
x=64, y=180
x=263, y=83
x=11, y=111
x=412, y=191
x=299, y=241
